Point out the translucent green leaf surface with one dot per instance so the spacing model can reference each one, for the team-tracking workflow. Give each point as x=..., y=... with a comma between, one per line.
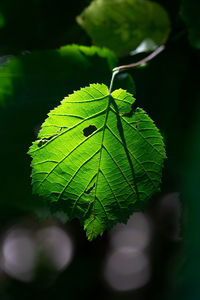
x=122, y=25
x=99, y=156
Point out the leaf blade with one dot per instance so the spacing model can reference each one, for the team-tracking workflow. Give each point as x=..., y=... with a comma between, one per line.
x=102, y=177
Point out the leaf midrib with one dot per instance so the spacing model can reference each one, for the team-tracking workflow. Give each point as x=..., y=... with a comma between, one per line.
x=100, y=157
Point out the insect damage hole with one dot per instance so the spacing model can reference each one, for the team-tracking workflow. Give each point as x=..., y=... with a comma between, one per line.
x=89, y=191
x=89, y=130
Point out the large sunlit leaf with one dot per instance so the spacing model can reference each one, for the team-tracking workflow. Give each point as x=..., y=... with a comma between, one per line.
x=122, y=25
x=99, y=156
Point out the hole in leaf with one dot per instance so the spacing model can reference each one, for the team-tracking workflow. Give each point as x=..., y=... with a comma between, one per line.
x=42, y=142
x=89, y=130
x=89, y=191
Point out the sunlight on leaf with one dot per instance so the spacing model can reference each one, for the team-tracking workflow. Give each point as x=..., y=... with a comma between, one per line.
x=106, y=174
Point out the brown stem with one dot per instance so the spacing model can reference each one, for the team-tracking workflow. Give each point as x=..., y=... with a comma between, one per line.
x=138, y=63
x=116, y=70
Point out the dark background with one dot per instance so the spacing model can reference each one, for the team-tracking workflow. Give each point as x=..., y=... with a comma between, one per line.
x=166, y=236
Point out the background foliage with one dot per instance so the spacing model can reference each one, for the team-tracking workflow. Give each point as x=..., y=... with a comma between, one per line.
x=35, y=75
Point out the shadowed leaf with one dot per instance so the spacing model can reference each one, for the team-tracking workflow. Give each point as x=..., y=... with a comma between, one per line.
x=122, y=25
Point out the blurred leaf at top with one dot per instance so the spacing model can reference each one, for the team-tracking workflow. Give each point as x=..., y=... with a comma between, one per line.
x=31, y=85
x=122, y=25
x=190, y=10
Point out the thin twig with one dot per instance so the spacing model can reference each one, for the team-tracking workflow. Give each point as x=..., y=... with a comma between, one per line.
x=141, y=62
x=116, y=70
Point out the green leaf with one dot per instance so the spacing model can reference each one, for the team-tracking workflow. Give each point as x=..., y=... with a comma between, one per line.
x=190, y=14
x=41, y=76
x=122, y=25
x=99, y=156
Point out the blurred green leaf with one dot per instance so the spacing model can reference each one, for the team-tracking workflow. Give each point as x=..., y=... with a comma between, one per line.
x=122, y=25
x=51, y=70
x=190, y=13
x=186, y=277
